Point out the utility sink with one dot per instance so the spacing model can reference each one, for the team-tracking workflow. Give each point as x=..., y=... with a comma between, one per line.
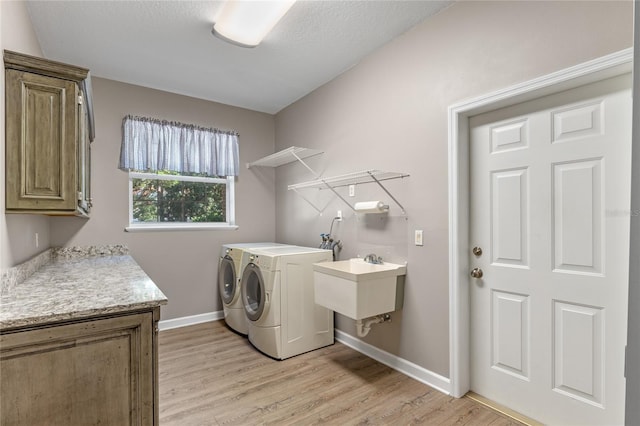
x=359, y=289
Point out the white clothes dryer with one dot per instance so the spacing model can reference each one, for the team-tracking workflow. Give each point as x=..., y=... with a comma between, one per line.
x=229, y=274
x=278, y=299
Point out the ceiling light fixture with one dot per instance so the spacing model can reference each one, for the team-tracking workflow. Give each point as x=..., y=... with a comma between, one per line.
x=246, y=23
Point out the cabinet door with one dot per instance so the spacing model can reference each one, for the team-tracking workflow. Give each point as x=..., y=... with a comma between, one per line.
x=87, y=373
x=41, y=135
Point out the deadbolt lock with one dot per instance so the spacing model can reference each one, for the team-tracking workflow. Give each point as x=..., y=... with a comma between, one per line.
x=477, y=251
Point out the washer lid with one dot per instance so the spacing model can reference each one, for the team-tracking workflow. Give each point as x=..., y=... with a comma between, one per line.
x=251, y=245
x=287, y=250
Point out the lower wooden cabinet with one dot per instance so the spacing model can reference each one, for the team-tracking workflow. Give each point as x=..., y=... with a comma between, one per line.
x=94, y=372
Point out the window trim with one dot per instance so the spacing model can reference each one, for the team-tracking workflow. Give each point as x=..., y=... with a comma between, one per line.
x=230, y=224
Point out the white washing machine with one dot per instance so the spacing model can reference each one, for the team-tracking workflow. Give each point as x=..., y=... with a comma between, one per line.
x=229, y=274
x=278, y=299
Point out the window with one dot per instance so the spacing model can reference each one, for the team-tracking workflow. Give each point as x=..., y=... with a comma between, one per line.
x=181, y=176
x=169, y=200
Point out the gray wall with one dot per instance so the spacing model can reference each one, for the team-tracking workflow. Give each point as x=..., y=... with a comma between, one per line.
x=390, y=112
x=633, y=341
x=17, y=232
x=182, y=263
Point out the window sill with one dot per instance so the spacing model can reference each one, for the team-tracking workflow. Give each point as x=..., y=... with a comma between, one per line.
x=180, y=227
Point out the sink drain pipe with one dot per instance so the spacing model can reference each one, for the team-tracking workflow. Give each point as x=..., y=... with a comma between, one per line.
x=363, y=327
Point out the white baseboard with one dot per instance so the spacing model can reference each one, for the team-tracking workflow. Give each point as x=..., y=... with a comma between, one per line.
x=408, y=368
x=190, y=320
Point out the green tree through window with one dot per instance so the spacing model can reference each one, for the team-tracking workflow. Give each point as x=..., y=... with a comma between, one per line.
x=178, y=200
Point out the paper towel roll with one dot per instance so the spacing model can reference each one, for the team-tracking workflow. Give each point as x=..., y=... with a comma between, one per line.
x=370, y=207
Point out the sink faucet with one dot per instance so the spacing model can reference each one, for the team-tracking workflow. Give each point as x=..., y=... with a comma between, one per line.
x=372, y=258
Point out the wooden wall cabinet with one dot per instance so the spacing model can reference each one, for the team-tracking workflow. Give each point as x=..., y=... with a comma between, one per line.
x=47, y=137
x=90, y=372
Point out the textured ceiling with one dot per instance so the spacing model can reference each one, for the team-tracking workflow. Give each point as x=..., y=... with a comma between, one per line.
x=168, y=45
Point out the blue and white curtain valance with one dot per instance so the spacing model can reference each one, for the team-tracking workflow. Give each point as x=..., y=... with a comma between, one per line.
x=150, y=145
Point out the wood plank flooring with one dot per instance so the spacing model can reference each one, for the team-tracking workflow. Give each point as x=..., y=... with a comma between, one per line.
x=210, y=375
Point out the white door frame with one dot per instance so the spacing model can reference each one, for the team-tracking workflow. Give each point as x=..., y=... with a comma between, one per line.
x=598, y=69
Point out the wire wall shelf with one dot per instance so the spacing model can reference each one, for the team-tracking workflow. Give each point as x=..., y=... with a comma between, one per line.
x=355, y=178
x=289, y=155
x=294, y=153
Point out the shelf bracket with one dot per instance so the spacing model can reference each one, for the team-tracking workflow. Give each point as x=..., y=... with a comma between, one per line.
x=388, y=193
x=304, y=164
x=308, y=201
x=337, y=194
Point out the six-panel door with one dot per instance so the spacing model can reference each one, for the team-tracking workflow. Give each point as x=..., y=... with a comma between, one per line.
x=550, y=208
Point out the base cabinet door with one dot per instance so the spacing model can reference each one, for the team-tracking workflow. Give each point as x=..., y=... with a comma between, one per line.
x=97, y=372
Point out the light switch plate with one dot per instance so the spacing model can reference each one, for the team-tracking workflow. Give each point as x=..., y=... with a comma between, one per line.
x=418, y=237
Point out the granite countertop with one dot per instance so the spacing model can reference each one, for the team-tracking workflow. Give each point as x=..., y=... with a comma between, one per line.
x=71, y=287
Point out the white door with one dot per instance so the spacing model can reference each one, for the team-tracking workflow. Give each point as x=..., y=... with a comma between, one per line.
x=550, y=210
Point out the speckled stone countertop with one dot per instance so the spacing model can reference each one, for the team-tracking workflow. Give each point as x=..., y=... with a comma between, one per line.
x=79, y=285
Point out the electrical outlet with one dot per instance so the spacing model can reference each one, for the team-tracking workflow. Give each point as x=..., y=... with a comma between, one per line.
x=339, y=215
x=37, y=240
x=352, y=190
x=418, y=237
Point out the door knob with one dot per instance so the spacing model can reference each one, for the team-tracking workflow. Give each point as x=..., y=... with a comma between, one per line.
x=476, y=273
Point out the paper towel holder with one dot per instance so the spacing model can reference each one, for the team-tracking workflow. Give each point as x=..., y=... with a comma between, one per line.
x=367, y=207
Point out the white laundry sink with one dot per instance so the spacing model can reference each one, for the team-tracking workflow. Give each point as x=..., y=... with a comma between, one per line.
x=358, y=289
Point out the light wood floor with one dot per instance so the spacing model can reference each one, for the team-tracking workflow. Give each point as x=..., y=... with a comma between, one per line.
x=211, y=376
